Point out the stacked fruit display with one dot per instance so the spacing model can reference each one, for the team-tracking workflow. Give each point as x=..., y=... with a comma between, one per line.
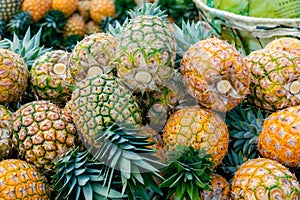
x=148, y=110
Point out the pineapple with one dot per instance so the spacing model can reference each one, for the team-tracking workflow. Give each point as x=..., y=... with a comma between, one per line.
x=262, y=178
x=68, y=7
x=287, y=44
x=100, y=101
x=197, y=127
x=92, y=56
x=75, y=26
x=5, y=132
x=101, y=9
x=49, y=79
x=13, y=76
x=275, y=79
x=20, y=180
x=214, y=73
x=91, y=27
x=36, y=8
x=220, y=189
x=42, y=133
x=280, y=137
x=84, y=9
x=146, y=50
x=78, y=177
x=8, y=8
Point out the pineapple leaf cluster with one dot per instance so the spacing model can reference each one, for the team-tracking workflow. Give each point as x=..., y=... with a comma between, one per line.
x=244, y=124
x=129, y=154
x=148, y=9
x=77, y=177
x=29, y=48
x=19, y=23
x=190, y=33
x=188, y=174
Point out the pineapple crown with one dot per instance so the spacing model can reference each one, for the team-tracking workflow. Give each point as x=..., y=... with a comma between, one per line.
x=28, y=48
x=77, y=177
x=125, y=151
x=19, y=23
x=114, y=27
x=189, y=34
x=2, y=28
x=149, y=9
x=188, y=173
x=244, y=124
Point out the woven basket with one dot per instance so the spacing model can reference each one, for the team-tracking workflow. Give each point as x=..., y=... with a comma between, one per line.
x=250, y=33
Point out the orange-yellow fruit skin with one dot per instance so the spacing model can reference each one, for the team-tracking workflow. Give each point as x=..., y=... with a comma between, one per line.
x=220, y=189
x=101, y=9
x=68, y=7
x=21, y=181
x=208, y=62
x=36, y=8
x=197, y=127
x=280, y=137
x=75, y=26
x=288, y=44
x=264, y=179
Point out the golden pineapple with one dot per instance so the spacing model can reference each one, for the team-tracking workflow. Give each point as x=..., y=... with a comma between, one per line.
x=68, y=7
x=92, y=56
x=215, y=75
x=280, y=137
x=220, y=189
x=75, y=26
x=20, y=180
x=13, y=76
x=42, y=133
x=101, y=9
x=5, y=132
x=275, y=79
x=264, y=179
x=91, y=27
x=197, y=127
x=48, y=77
x=36, y=8
x=288, y=44
x=84, y=9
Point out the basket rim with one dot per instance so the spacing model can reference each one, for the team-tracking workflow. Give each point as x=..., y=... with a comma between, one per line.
x=201, y=5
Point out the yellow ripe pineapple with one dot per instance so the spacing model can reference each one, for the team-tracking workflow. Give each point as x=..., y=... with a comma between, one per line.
x=264, y=179
x=214, y=73
x=68, y=7
x=288, y=44
x=5, y=132
x=21, y=180
x=197, y=127
x=220, y=189
x=91, y=27
x=36, y=8
x=84, y=9
x=42, y=133
x=280, y=137
x=13, y=76
x=101, y=9
x=49, y=78
x=75, y=26
x=275, y=79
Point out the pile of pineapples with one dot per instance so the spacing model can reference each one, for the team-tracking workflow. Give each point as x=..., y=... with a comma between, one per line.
x=64, y=22
x=149, y=110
